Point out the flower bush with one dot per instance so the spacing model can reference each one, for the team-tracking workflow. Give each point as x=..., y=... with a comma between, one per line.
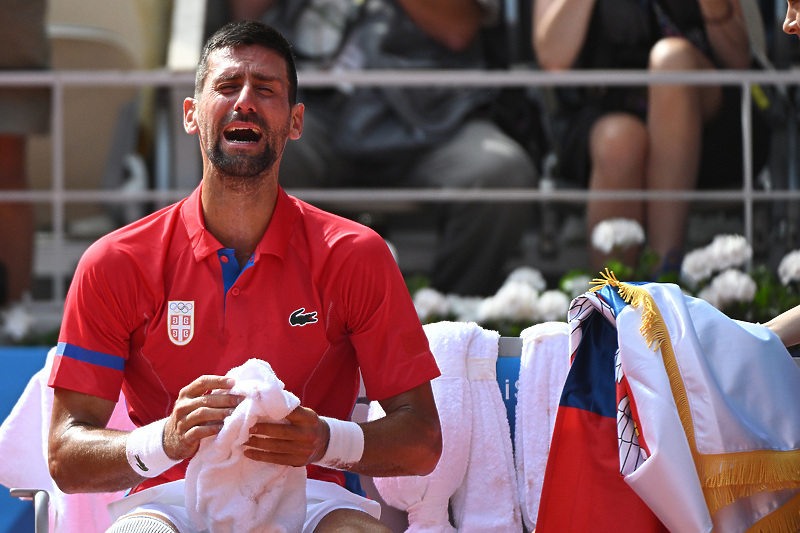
x=719, y=273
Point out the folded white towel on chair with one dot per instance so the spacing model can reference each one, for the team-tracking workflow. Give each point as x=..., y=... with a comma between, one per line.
x=426, y=498
x=226, y=492
x=487, y=501
x=544, y=365
x=23, y=437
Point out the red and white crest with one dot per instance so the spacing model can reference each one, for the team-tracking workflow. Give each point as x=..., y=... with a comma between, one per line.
x=180, y=315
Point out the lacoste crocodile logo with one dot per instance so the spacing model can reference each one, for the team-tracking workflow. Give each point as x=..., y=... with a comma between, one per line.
x=140, y=464
x=301, y=318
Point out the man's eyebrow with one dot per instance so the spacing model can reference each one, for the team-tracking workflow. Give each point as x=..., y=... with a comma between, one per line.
x=261, y=76
x=231, y=76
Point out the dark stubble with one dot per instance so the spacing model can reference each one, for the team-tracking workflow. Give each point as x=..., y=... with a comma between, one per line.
x=243, y=167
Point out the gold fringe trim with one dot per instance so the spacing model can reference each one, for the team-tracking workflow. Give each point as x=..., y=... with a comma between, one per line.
x=724, y=478
x=728, y=477
x=606, y=278
x=785, y=519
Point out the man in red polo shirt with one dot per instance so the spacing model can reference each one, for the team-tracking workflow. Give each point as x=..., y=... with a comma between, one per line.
x=164, y=307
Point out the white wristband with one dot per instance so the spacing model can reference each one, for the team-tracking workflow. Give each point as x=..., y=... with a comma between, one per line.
x=145, y=450
x=345, y=446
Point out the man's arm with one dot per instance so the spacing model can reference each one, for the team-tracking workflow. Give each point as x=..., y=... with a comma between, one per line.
x=84, y=456
x=406, y=442
x=787, y=326
x=454, y=23
x=559, y=31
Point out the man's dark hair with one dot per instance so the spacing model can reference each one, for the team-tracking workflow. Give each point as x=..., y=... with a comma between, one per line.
x=246, y=33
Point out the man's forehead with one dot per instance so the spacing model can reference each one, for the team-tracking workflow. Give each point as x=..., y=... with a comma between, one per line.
x=240, y=60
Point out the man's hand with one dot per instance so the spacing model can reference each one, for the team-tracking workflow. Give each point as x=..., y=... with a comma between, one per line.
x=301, y=441
x=198, y=414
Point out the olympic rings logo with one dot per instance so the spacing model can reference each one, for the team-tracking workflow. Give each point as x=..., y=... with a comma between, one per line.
x=181, y=307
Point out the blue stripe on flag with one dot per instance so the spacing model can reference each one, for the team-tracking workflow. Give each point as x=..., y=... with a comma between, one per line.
x=591, y=384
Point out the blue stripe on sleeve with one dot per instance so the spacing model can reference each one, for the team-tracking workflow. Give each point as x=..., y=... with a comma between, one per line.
x=91, y=357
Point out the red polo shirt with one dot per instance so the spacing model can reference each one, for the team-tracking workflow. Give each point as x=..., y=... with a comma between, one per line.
x=160, y=302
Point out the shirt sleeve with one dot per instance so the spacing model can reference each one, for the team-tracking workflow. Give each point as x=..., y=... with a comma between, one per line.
x=390, y=344
x=100, y=312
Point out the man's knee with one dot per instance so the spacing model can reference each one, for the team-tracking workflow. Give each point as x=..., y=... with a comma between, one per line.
x=350, y=521
x=142, y=523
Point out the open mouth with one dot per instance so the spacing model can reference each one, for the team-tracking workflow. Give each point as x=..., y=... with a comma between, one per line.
x=242, y=135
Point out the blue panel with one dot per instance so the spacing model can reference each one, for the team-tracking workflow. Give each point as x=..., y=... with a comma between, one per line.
x=18, y=366
x=508, y=379
x=590, y=384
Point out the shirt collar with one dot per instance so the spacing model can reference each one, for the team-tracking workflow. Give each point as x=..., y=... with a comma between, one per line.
x=275, y=240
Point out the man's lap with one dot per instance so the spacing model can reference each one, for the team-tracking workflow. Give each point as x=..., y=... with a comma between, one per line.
x=167, y=501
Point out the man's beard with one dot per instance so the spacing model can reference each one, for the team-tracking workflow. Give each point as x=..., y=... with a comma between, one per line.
x=242, y=167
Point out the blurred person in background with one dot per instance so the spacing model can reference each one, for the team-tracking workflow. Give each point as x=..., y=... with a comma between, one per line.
x=396, y=136
x=662, y=137
x=23, y=111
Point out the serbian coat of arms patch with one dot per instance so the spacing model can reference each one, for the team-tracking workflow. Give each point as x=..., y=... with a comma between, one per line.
x=181, y=321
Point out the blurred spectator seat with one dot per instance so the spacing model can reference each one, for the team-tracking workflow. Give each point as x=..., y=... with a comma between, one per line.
x=100, y=124
x=177, y=155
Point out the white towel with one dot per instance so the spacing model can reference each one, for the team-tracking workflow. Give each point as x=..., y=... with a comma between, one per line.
x=226, y=492
x=544, y=365
x=487, y=501
x=426, y=498
x=23, y=437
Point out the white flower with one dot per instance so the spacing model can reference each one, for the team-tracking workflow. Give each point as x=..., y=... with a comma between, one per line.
x=724, y=252
x=553, y=306
x=515, y=301
x=528, y=275
x=577, y=285
x=789, y=267
x=618, y=233
x=729, y=287
x=729, y=251
x=17, y=322
x=696, y=267
x=465, y=308
x=429, y=303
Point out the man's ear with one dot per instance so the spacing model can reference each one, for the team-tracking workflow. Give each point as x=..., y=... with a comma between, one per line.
x=190, y=115
x=296, y=128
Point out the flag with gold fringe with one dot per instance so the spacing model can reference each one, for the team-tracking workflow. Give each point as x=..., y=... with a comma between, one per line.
x=706, y=433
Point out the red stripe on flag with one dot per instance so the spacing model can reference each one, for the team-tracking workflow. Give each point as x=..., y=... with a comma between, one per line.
x=583, y=489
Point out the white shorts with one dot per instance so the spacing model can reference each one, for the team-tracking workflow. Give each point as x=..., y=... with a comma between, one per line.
x=167, y=500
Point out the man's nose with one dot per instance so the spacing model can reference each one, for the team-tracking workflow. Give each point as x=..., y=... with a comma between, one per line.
x=245, y=102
